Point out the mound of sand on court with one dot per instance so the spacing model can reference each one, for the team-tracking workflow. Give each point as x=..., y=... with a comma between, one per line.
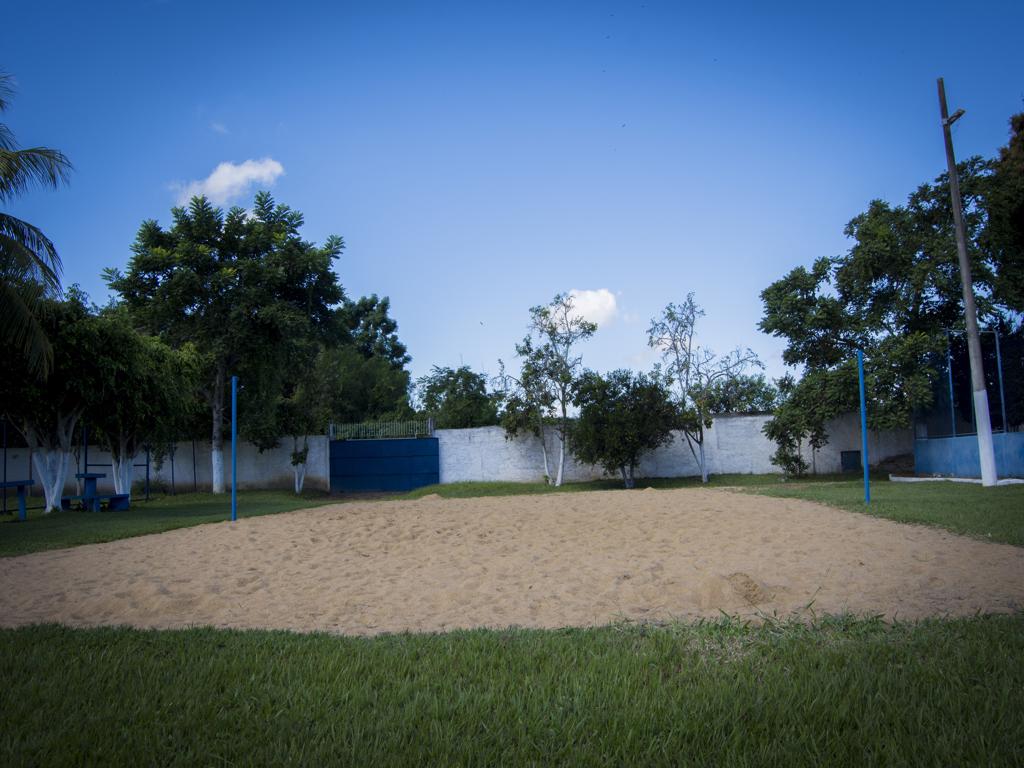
x=556, y=560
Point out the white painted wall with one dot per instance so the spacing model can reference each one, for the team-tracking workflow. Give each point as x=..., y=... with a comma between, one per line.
x=270, y=469
x=733, y=445
x=844, y=435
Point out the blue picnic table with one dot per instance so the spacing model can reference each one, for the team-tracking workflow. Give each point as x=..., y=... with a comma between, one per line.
x=22, y=486
x=90, y=498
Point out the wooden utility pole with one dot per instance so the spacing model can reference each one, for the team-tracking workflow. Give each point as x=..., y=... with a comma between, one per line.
x=986, y=452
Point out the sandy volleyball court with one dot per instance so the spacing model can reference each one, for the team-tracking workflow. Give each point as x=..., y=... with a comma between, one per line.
x=535, y=561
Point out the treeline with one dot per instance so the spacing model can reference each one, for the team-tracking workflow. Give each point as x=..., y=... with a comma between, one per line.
x=214, y=295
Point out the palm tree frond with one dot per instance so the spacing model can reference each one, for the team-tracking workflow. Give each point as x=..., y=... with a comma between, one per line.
x=20, y=169
x=20, y=327
x=25, y=252
x=6, y=90
x=7, y=138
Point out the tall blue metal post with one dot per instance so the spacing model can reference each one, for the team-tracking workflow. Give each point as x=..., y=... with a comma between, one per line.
x=234, y=448
x=863, y=427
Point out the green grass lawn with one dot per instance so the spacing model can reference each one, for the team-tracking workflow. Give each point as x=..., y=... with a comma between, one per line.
x=993, y=514
x=841, y=692
x=163, y=513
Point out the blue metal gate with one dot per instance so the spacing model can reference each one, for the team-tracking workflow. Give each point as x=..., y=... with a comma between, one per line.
x=384, y=465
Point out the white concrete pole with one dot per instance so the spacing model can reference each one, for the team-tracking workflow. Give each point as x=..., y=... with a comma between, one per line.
x=986, y=452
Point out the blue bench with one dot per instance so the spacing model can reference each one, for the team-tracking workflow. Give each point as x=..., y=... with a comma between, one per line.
x=21, y=485
x=115, y=501
x=90, y=499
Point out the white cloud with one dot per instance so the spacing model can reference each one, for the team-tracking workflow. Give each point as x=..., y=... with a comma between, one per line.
x=597, y=306
x=219, y=128
x=230, y=181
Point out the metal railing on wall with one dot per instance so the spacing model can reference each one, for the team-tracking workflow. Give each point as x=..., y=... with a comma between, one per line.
x=381, y=430
x=951, y=413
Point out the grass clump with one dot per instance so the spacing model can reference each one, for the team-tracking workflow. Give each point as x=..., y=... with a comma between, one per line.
x=839, y=692
x=68, y=528
x=993, y=514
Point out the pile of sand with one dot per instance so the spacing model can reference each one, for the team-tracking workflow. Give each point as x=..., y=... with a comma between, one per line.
x=538, y=561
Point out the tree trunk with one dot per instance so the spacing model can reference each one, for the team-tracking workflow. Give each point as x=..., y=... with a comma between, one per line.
x=627, y=476
x=217, y=439
x=561, y=447
x=76, y=454
x=51, y=460
x=51, y=465
x=300, y=468
x=703, y=462
x=543, y=446
x=122, y=462
x=561, y=459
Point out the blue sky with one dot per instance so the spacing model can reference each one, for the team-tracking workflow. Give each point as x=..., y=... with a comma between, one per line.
x=480, y=157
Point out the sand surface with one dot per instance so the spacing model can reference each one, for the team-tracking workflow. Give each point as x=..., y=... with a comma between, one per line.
x=534, y=561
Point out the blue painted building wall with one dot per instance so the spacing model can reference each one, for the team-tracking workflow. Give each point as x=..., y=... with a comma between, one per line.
x=384, y=465
x=958, y=456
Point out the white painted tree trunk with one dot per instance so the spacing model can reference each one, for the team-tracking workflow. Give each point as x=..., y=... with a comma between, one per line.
x=217, y=439
x=561, y=459
x=299, y=467
x=544, y=447
x=703, y=462
x=123, y=467
x=51, y=467
x=217, y=466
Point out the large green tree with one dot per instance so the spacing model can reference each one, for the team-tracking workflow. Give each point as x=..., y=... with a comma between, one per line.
x=895, y=294
x=1003, y=202
x=152, y=398
x=128, y=386
x=622, y=416
x=29, y=265
x=243, y=287
x=457, y=398
x=743, y=393
x=372, y=330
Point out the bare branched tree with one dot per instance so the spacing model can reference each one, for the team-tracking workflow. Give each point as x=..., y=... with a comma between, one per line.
x=693, y=370
x=551, y=369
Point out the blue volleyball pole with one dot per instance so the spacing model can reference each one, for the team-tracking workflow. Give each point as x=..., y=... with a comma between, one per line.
x=863, y=427
x=234, y=448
